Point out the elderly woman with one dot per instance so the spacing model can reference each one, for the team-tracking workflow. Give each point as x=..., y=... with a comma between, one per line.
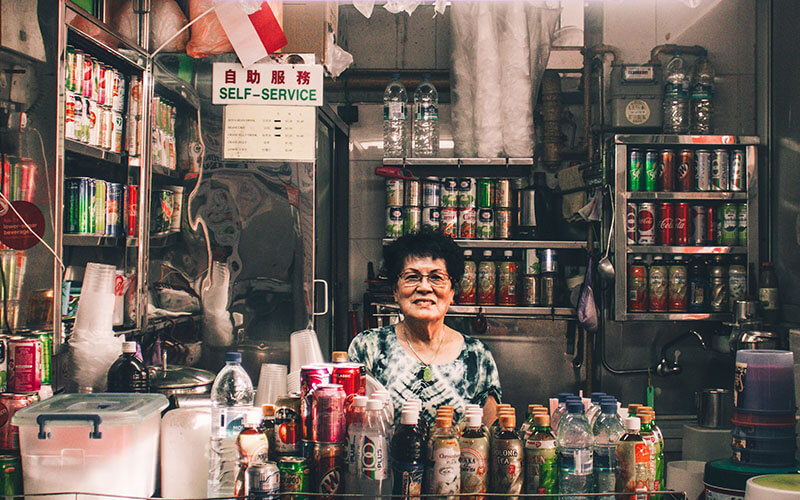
x=421, y=357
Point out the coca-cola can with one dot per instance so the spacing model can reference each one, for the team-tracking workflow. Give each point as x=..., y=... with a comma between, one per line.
x=666, y=171
x=646, y=224
x=327, y=413
x=666, y=223
x=711, y=226
x=698, y=233
x=702, y=171
x=631, y=223
x=352, y=377
x=685, y=177
x=682, y=223
x=311, y=377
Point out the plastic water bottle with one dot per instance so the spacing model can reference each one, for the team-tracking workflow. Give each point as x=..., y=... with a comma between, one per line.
x=594, y=408
x=374, y=475
x=352, y=446
x=676, y=96
x=560, y=410
x=426, y=119
x=231, y=398
x=574, y=444
x=607, y=430
x=701, y=97
x=395, y=119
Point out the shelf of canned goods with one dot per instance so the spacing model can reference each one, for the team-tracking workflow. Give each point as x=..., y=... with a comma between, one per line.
x=690, y=241
x=517, y=311
x=515, y=244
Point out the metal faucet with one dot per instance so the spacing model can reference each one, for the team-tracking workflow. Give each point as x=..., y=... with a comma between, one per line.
x=666, y=367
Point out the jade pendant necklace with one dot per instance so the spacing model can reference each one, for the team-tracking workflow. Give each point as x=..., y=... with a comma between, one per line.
x=427, y=373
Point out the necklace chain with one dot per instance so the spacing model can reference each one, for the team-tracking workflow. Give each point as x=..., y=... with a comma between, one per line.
x=435, y=354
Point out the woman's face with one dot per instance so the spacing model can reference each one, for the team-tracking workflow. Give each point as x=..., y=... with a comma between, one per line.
x=424, y=290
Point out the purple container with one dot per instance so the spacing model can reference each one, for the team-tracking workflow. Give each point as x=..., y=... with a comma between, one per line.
x=764, y=381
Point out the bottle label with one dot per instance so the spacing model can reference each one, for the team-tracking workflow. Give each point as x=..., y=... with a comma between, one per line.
x=540, y=444
x=394, y=111
x=446, y=477
x=408, y=480
x=426, y=111
x=768, y=298
x=576, y=462
x=373, y=458
x=474, y=468
x=229, y=422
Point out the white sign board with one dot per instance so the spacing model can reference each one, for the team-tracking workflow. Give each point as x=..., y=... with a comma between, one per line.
x=281, y=84
x=270, y=133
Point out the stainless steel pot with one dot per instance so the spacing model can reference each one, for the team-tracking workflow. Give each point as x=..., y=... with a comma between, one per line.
x=714, y=408
x=757, y=339
x=178, y=380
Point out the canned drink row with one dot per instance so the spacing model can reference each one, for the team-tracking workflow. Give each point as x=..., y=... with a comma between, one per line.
x=26, y=361
x=164, y=144
x=687, y=170
x=89, y=77
x=685, y=224
x=14, y=264
x=166, y=208
x=97, y=207
x=463, y=223
x=95, y=124
x=322, y=472
x=18, y=178
x=449, y=192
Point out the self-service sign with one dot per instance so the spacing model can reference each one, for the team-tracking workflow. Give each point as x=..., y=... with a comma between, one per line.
x=275, y=84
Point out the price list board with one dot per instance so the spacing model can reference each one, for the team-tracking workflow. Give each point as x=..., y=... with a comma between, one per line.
x=270, y=133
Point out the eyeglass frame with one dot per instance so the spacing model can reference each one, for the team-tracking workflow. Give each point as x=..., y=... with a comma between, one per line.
x=401, y=279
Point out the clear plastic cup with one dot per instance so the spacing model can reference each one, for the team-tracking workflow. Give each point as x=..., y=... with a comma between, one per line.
x=272, y=383
x=304, y=349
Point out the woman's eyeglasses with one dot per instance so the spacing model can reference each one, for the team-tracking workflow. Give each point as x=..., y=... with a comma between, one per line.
x=412, y=279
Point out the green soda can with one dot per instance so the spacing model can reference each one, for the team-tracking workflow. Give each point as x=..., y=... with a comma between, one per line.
x=46, y=339
x=541, y=468
x=11, y=474
x=295, y=477
x=635, y=168
x=650, y=169
x=730, y=222
x=485, y=198
x=99, y=207
x=741, y=226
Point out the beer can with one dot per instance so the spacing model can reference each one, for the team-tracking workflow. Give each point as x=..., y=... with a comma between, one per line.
x=466, y=223
x=711, y=224
x=99, y=207
x=702, y=171
x=686, y=167
x=46, y=366
x=78, y=114
x=11, y=474
x=741, y=227
x=9, y=405
x=263, y=481
x=699, y=224
x=93, y=122
x=119, y=92
x=431, y=192
x=682, y=222
x=729, y=216
x=101, y=83
x=86, y=77
x=502, y=193
x=96, y=65
x=720, y=170
x=645, y=226
x=24, y=364
x=502, y=224
x=329, y=469
x=530, y=290
x=412, y=220
x=69, y=77
x=431, y=218
x=449, y=192
x=117, y=124
x=413, y=193
x=132, y=210
x=327, y=414
x=650, y=169
x=485, y=193
x=394, y=192
x=485, y=224
x=632, y=223
x=288, y=425
x=107, y=130
x=76, y=201
x=352, y=377
x=466, y=192
x=738, y=177
x=449, y=220
x=666, y=224
x=69, y=115
x=311, y=377
x=295, y=476
x=666, y=171
x=635, y=168
x=113, y=209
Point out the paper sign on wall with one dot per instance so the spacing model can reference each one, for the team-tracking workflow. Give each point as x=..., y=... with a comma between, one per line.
x=270, y=133
x=277, y=84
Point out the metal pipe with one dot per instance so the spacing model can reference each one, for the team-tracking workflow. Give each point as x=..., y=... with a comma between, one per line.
x=376, y=79
x=671, y=48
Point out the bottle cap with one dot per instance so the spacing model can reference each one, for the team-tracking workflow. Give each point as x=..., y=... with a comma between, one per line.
x=508, y=420
x=541, y=420
x=595, y=396
x=360, y=401
x=374, y=404
x=633, y=408
x=409, y=417
x=268, y=410
x=632, y=424
x=444, y=422
x=562, y=396
x=446, y=407
x=540, y=411
x=472, y=406
x=233, y=357
x=608, y=407
x=644, y=408
x=128, y=347
x=646, y=418
x=531, y=407
x=473, y=419
x=487, y=253
x=339, y=357
x=575, y=407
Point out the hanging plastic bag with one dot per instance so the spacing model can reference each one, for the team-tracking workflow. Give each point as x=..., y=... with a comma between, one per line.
x=208, y=37
x=166, y=19
x=365, y=7
x=336, y=58
x=588, y=315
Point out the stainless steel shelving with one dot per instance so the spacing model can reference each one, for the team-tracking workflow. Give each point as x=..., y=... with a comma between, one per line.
x=515, y=244
x=498, y=311
x=90, y=240
x=704, y=195
x=456, y=161
x=676, y=316
x=82, y=149
x=704, y=250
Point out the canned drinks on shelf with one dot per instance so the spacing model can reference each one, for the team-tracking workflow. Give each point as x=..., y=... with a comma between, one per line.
x=9, y=405
x=327, y=414
x=132, y=210
x=666, y=171
x=657, y=281
x=702, y=173
x=485, y=224
x=503, y=193
x=431, y=192
x=729, y=216
x=262, y=481
x=485, y=197
x=651, y=162
x=682, y=223
x=502, y=224
x=431, y=218
x=635, y=169
x=666, y=224
x=467, y=220
x=449, y=194
x=632, y=223
x=413, y=193
x=645, y=226
x=467, y=192
x=412, y=220
x=720, y=170
x=637, y=285
x=686, y=168
x=467, y=287
x=449, y=221
x=741, y=226
x=394, y=192
x=487, y=280
x=698, y=225
x=738, y=171
x=329, y=468
x=677, y=285
x=295, y=476
x=24, y=364
x=394, y=222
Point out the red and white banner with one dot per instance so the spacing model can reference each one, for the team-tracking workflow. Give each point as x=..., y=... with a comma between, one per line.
x=252, y=29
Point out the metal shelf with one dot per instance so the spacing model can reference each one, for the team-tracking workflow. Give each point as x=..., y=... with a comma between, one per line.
x=515, y=244
x=526, y=311
x=456, y=161
x=126, y=52
x=675, y=316
x=93, y=152
x=90, y=240
x=672, y=249
x=687, y=140
x=702, y=195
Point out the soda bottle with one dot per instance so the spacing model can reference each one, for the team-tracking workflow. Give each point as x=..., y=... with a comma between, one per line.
x=408, y=459
x=443, y=461
x=594, y=409
x=607, y=430
x=658, y=475
x=231, y=398
x=633, y=462
x=352, y=446
x=395, y=119
x=508, y=455
x=574, y=442
x=701, y=97
x=127, y=373
x=373, y=453
x=676, y=96
x=267, y=426
x=252, y=446
x=541, y=469
x=426, y=119
x=474, y=460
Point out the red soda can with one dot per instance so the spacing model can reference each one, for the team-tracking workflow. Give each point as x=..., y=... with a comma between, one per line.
x=666, y=171
x=132, y=210
x=699, y=216
x=666, y=224
x=24, y=364
x=352, y=377
x=646, y=224
x=637, y=286
x=101, y=84
x=9, y=405
x=631, y=223
x=329, y=469
x=311, y=377
x=686, y=170
x=711, y=227
x=87, y=77
x=682, y=223
x=327, y=414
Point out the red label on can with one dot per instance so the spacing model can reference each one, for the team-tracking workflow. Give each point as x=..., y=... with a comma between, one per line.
x=449, y=217
x=328, y=422
x=686, y=171
x=646, y=224
x=711, y=225
x=310, y=378
x=24, y=365
x=666, y=224
x=631, y=223
x=666, y=171
x=682, y=224
x=637, y=288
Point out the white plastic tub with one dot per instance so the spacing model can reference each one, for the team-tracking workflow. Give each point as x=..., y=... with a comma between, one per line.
x=91, y=443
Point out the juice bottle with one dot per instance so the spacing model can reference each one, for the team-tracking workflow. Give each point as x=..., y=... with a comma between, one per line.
x=252, y=446
x=474, y=458
x=541, y=469
x=633, y=463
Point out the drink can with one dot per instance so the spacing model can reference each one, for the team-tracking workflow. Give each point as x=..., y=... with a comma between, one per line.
x=135, y=97
x=86, y=76
x=77, y=72
x=711, y=224
x=352, y=377
x=11, y=474
x=549, y=261
x=486, y=194
x=741, y=227
x=682, y=222
x=530, y=290
x=69, y=78
x=502, y=224
x=76, y=201
x=466, y=222
x=720, y=170
x=657, y=287
x=507, y=283
x=113, y=207
x=413, y=193
x=632, y=223
x=288, y=425
x=117, y=125
x=431, y=192
x=702, y=172
x=449, y=192
x=666, y=224
x=412, y=220
x=100, y=188
x=92, y=112
x=468, y=285
x=431, y=217
x=69, y=115
x=78, y=115
x=177, y=208
x=487, y=283
x=101, y=83
x=530, y=261
x=635, y=168
x=108, y=127
x=730, y=223
x=449, y=217
x=646, y=224
x=96, y=65
x=678, y=280
x=92, y=206
x=502, y=193
x=311, y=377
x=650, y=169
x=485, y=224
x=9, y=405
x=548, y=285
x=719, y=288
x=737, y=284
x=699, y=224
x=738, y=177
x=467, y=189
x=119, y=92
x=295, y=475
x=24, y=364
x=666, y=170
x=327, y=414
x=329, y=469
x=132, y=203
x=394, y=222
x=686, y=167
x=263, y=481
x=45, y=339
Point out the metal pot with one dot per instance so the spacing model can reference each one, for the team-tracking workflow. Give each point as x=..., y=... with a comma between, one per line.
x=254, y=354
x=179, y=380
x=757, y=339
x=714, y=408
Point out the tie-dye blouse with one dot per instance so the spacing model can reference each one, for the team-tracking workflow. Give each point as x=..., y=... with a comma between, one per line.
x=471, y=378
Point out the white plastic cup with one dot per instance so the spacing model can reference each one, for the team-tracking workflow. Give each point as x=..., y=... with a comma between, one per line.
x=272, y=384
x=304, y=349
x=98, y=278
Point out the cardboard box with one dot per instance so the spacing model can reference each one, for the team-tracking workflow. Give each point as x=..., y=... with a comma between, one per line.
x=307, y=25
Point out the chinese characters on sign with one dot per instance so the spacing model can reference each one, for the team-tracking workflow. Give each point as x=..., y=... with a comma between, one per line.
x=281, y=84
x=269, y=133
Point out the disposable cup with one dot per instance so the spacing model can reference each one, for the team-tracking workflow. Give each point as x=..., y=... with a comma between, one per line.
x=98, y=278
x=272, y=383
x=304, y=349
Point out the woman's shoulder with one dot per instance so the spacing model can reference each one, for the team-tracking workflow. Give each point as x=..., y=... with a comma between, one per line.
x=375, y=334
x=472, y=343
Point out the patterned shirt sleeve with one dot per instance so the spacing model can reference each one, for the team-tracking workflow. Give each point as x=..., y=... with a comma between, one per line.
x=488, y=378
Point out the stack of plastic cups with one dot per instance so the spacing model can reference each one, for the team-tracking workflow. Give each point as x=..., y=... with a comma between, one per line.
x=764, y=409
x=272, y=384
x=304, y=350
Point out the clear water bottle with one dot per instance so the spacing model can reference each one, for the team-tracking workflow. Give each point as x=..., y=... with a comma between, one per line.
x=560, y=409
x=607, y=430
x=574, y=451
x=594, y=408
x=352, y=445
x=426, y=119
x=676, y=96
x=701, y=98
x=374, y=475
x=395, y=119
x=231, y=398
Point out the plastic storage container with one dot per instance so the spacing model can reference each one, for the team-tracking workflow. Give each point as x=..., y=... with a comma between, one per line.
x=764, y=381
x=91, y=443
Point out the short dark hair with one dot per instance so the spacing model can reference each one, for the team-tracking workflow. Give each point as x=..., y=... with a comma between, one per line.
x=425, y=243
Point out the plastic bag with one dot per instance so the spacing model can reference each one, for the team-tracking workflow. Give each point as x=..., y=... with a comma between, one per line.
x=208, y=37
x=166, y=19
x=336, y=59
x=587, y=308
x=365, y=7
